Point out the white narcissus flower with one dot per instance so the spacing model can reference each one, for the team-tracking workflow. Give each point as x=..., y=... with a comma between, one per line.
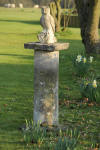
x=79, y=58
x=84, y=60
x=94, y=84
x=91, y=59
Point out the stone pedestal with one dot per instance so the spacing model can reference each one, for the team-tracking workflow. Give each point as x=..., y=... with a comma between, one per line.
x=46, y=74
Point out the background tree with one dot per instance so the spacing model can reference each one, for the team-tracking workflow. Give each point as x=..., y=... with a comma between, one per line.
x=55, y=8
x=67, y=3
x=70, y=5
x=88, y=11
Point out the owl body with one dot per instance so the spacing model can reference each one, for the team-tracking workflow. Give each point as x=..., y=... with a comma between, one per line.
x=47, y=22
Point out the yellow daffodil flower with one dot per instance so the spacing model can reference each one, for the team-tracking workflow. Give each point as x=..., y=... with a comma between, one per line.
x=84, y=60
x=94, y=84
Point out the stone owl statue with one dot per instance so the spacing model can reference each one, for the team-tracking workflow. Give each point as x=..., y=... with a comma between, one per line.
x=48, y=24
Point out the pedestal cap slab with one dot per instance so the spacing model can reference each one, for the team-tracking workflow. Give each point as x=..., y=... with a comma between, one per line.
x=46, y=47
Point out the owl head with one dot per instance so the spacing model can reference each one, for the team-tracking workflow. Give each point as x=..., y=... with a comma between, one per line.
x=45, y=10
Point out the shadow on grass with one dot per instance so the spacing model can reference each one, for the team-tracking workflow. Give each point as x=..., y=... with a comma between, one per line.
x=35, y=22
x=16, y=101
x=16, y=95
x=19, y=56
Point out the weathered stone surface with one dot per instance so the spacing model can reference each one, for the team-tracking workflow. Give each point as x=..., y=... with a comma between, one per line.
x=46, y=66
x=47, y=22
x=46, y=47
x=46, y=72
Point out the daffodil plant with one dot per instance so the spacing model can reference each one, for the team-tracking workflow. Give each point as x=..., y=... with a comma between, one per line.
x=82, y=65
x=33, y=133
x=89, y=89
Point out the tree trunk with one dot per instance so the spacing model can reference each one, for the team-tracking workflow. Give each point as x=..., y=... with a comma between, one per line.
x=88, y=11
x=55, y=9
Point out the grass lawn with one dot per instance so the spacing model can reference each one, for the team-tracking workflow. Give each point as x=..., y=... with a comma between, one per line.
x=18, y=26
